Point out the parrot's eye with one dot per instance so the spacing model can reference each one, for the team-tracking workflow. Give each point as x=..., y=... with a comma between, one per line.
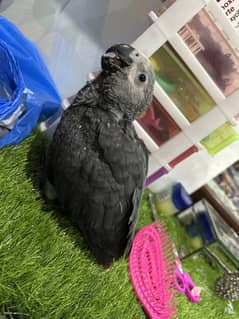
x=142, y=77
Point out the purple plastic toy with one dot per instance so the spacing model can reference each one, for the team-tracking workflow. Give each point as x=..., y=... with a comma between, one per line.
x=183, y=282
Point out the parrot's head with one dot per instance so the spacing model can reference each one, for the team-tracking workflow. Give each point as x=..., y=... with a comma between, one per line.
x=128, y=81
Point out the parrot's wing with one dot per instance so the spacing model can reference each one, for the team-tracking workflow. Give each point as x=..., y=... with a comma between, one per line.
x=130, y=174
x=136, y=200
x=61, y=148
x=133, y=218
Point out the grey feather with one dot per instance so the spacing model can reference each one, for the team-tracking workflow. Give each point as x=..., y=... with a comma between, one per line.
x=96, y=163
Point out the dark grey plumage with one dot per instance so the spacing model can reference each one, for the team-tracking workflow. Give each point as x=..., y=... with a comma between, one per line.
x=96, y=163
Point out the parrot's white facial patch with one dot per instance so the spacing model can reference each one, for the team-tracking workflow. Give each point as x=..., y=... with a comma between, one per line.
x=138, y=76
x=140, y=69
x=140, y=59
x=136, y=55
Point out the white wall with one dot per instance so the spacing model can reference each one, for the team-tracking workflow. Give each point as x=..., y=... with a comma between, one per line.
x=72, y=34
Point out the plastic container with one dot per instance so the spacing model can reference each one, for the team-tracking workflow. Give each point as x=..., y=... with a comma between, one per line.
x=179, y=83
x=220, y=138
x=172, y=200
x=205, y=228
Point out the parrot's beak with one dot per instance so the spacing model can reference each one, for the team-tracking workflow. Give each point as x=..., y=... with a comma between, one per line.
x=117, y=57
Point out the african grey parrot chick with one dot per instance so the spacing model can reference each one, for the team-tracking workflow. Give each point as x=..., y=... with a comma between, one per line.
x=96, y=163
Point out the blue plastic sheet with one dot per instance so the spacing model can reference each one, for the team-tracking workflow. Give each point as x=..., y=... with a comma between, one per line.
x=26, y=87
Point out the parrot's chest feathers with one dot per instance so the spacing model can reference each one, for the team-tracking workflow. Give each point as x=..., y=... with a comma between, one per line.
x=120, y=132
x=120, y=146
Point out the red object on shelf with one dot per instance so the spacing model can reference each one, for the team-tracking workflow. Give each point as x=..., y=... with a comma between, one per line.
x=183, y=156
x=158, y=123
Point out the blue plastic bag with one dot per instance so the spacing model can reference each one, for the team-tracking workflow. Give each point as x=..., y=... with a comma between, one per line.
x=26, y=87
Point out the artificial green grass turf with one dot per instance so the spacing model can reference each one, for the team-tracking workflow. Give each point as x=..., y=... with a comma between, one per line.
x=46, y=270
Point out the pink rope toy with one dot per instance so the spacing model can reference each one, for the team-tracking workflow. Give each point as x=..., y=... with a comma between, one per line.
x=152, y=271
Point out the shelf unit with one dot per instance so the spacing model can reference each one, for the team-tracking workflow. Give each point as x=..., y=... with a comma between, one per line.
x=197, y=167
